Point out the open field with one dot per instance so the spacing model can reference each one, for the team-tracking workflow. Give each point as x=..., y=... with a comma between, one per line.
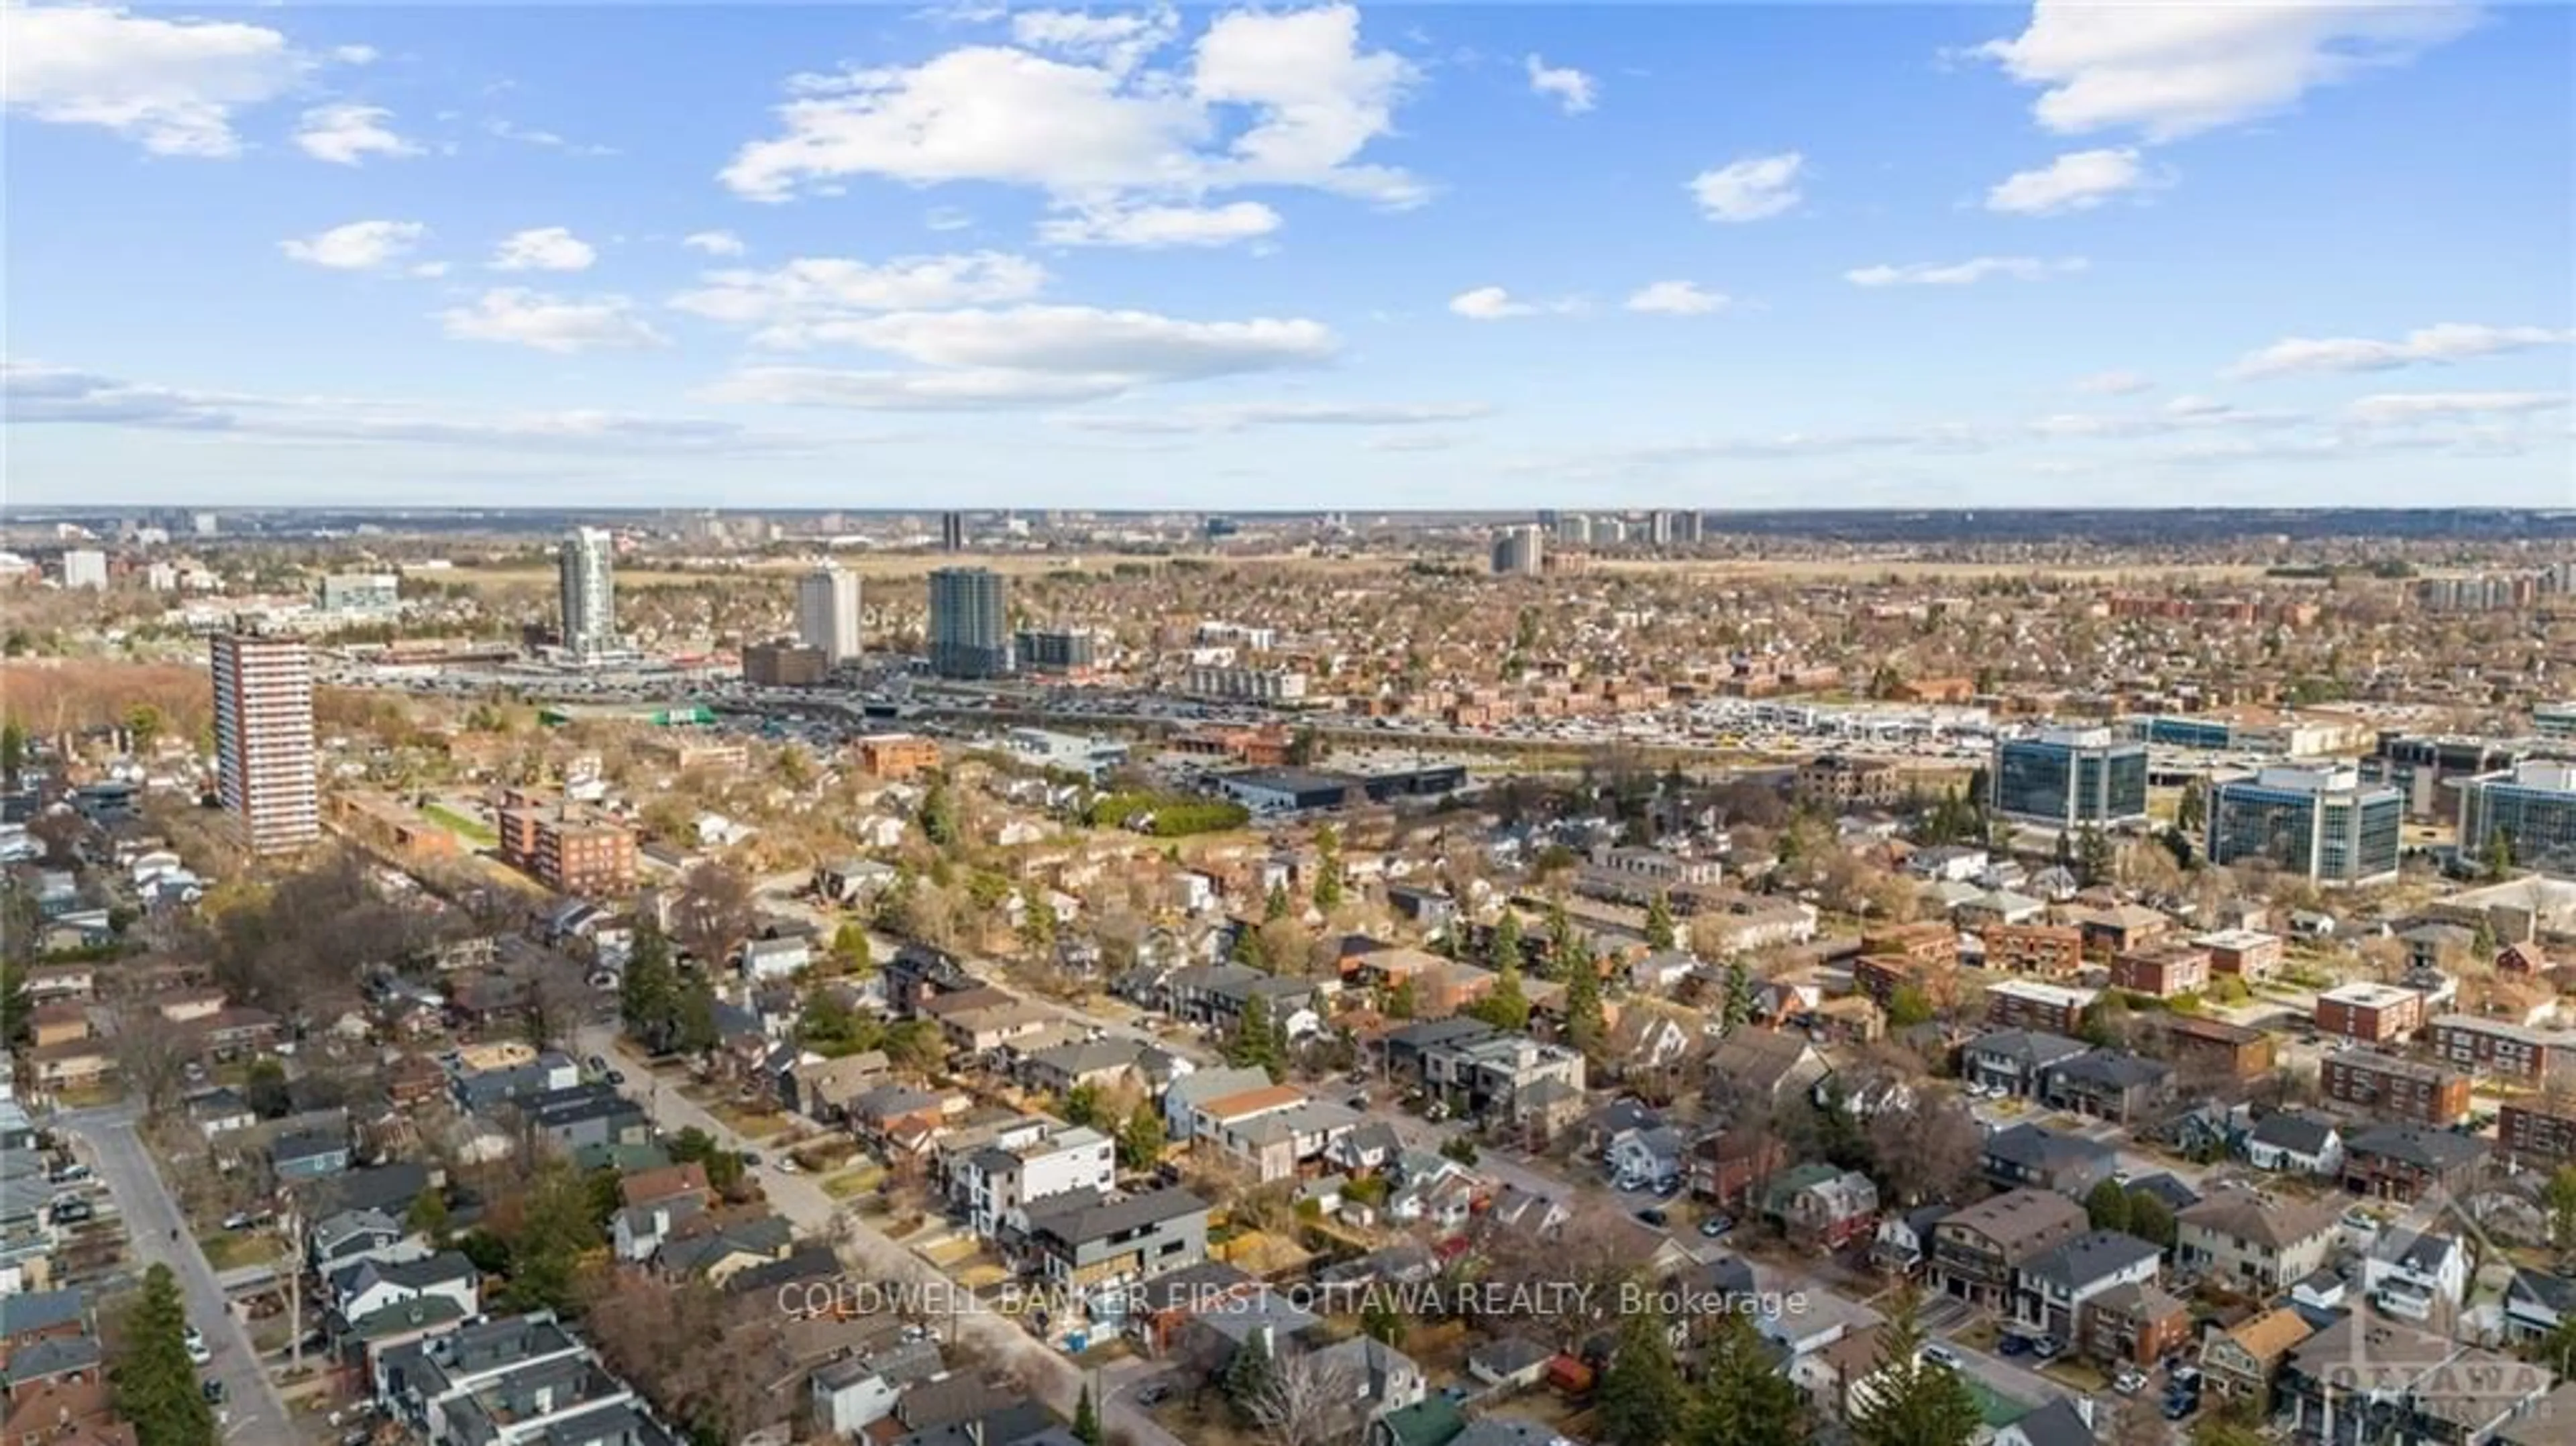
x=460, y=825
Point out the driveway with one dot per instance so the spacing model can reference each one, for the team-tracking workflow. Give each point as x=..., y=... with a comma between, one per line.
x=113, y=1149
x=805, y=1205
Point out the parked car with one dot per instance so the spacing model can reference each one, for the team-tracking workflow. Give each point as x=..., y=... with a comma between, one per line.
x=1154, y=1395
x=2048, y=1348
x=1655, y=1217
x=1941, y=1355
x=72, y=1212
x=2013, y=1346
x=2130, y=1381
x=1716, y=1225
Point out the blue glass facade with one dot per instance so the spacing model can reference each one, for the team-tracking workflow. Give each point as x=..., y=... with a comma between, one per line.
x=2069, y=784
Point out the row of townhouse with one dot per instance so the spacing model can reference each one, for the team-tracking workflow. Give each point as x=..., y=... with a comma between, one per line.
x=2067, y=1074
x=2032, y=1257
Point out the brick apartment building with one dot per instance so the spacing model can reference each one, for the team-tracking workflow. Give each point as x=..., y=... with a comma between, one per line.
x=2028, y=1004
x=2162, y=970
x=2386, y=1087
x=571, y=848
x=2210, y=1049
x=2249, y=954
x=2499, y=1048
x=2370, y=1013
x=2538, y=1129
x=897, y=755
x=2050, y=951
x=785, y=665
x=1930, y=942
x=1846, y=782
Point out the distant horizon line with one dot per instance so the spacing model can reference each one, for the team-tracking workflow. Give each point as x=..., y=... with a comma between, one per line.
x=29, y=513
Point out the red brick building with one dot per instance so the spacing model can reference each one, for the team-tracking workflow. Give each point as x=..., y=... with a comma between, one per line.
x=2249, y=954
x=2386, y=1087
x=2370, y=1013
x=2214, y=1049
x=2028, y=1004
x=1932, y=942
x=2050, y=951
x=2538, y=1129
x=2162, y=970
x=2500, y=1048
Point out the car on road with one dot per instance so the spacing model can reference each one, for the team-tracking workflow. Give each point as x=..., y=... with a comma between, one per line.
x=198, y=1354
x=214, y=1391
x=1153, y=1395
x=1716, y=1225
x=1941, y=1355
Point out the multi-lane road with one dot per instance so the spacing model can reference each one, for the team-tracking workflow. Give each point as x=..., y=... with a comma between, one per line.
x=108, y=1142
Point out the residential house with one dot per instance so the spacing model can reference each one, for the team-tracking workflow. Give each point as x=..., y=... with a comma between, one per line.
x=2134, y=1323
x=2536, y=1303
x=1088, y=1243
x=824, y=1089
x=1725, y=1165
x=2110, y=1084
x=1183, y=1097
x=1765, y=1065
x=2120, y=929
x=1976, y=1251
x=2016, y=1061
x=2407, y=1163
x=1649, y=1153
x=2051, y=1289
x=1215, y=996
x=1101, y=1063
x=2253, y=1242
x=1272, y=1132
x=2296, y=1143
x=2035, y=1156
x=1902, y=1242
x=308, y=1155
x=1822, y=1208
x=2065, y=1421
x=1493, y=1075
x=762, y=960
x=2240, y=1363
x=2416, y=1276
x=345, y=1237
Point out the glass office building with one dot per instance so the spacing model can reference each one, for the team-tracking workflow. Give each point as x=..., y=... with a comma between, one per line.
x=2532, y=806
x=2322, y=823
x=2067, y=778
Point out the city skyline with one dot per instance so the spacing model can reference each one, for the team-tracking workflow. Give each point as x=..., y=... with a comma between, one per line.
x=1392, y=257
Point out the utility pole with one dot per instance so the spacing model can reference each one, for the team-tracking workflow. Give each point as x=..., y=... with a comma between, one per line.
x=294, y=1286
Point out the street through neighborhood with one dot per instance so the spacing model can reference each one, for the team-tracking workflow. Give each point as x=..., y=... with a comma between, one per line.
x=158, y=1232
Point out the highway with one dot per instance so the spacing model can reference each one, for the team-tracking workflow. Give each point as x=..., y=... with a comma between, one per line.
x=158, y=1233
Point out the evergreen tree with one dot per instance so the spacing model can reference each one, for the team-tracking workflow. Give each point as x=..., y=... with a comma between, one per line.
x=1277, y=905
x=1250, y=1375
x=1328, y=869
x=851, y=950
x=2558, y=1201
x=1659, y=923
x=2108, y=1206
x=648, y=994
x=1911, y=1402
x=1743, y=1400
x=13, y=751
x=1086, y=1418
x=1037, y=921
x=1248, y=949
x=2151, y=1220
x=938, y=816
x=1507, y=1005
x=693, y=1022
x=1403, y=1000
x=155, y=1382
x=17, y=1015
x=1641, y=1396
x=2096, y=859
x=1506, y=944
x=555, y=1229
x=1380, y=1320
x=2499, y=854
x=1562, y=945
x=2191, y=815
x=427, y=1217
x=1585, y=1027
x=1256, y=1041
x=1737, y=1007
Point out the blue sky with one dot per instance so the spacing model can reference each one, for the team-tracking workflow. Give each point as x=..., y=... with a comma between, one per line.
x=1500, y=256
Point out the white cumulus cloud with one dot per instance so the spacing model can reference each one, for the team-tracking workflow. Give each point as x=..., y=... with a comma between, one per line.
x=357, y=246
x=1118, y=43
x=1568, y=87
x=714, y=243
x=1676, y=298
x=345, y=135
x=1489, y=303
x=2436, y=345
x=1025, y=355
x=543, y=248
x=1248, y=415
x=1152, y=228
x=551, y=323
x=1753, y=189
x=173, y=86
x=2076, y=181
x=814, y=300
x=1291, y=98
x=1965, y=273
x=2176, y=70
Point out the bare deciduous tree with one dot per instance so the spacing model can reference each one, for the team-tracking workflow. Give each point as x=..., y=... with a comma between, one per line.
x=152, y=1054
x=714, y=913
x=1309, y=1400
